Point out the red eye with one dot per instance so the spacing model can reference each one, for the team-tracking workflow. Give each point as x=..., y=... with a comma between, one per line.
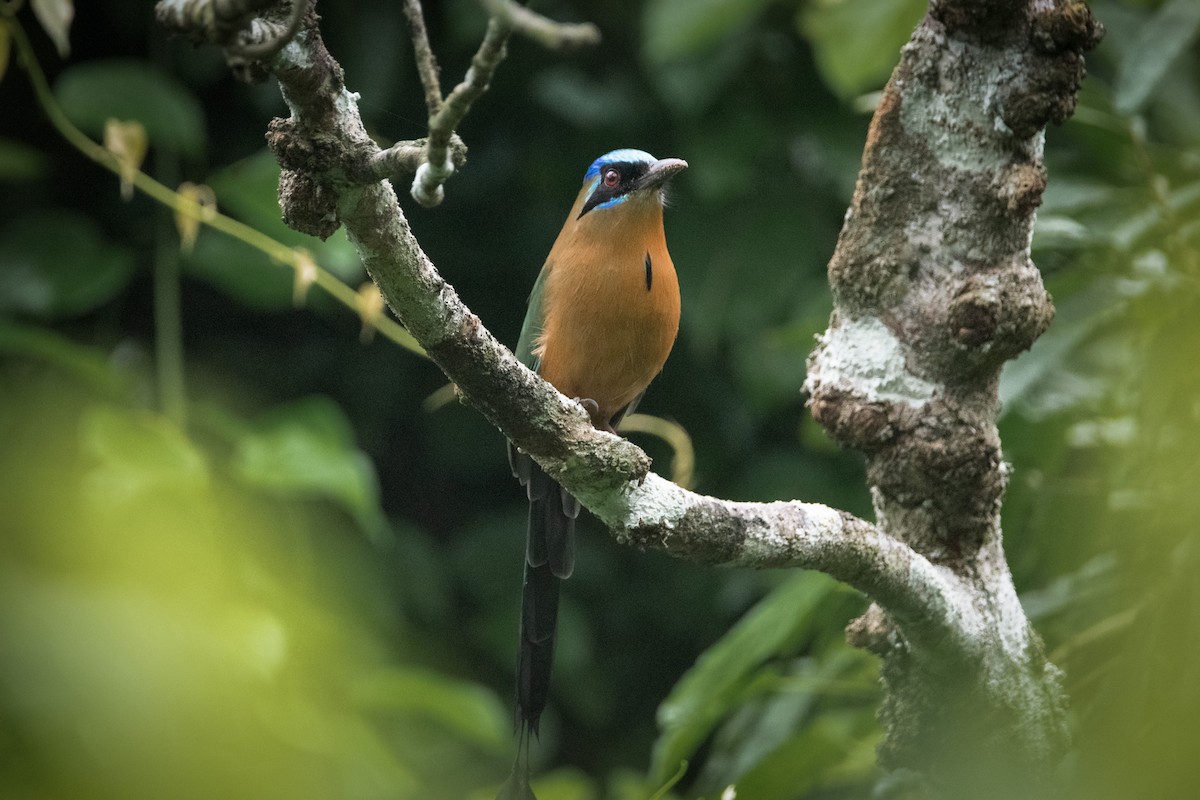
x=611, y=178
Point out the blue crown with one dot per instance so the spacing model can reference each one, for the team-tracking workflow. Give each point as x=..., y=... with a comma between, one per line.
x=623, y=155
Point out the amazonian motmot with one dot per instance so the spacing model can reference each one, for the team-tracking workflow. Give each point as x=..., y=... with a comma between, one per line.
x=602, y=318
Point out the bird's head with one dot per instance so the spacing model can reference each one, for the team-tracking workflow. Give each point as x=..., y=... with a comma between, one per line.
x=625, y=178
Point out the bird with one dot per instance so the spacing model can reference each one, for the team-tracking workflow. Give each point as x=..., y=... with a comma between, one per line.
x=602, y=319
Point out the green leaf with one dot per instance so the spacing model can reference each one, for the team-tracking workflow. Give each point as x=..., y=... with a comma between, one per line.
x=466, y=709
x=676, y=29
x=248, y=190
x=88, y=365
x=857, y=42
x=58, y=264
x=242, y=272
x=21, y=163
x=799, y=764
x=137, y=455
x=1056, y=373
x=691, y=85
x=1159, y=42
x=55, y=17
x=565, y=784
x=93, y=92
x=692, y=49
x=800, y=698
x=722, y=676
x=307, y=448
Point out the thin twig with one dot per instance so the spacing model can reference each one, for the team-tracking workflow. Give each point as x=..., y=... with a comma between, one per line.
x=427, y=65
x=438, y=166
x=402, y=159
x=187, y=206
x=546, y=32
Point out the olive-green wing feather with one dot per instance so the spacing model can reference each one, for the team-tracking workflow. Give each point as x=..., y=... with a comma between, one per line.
x=535, y=318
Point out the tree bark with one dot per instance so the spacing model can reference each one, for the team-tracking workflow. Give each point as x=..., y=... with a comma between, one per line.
x=933, y=290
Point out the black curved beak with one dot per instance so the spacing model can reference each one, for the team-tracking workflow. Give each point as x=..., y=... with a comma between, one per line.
x=660, y=172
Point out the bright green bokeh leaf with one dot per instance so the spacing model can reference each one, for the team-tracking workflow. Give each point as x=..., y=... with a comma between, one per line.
x=857, y=42
x=565, y=784
x=137, y=455
x=722, y=676
x=58, y=264
x=307, y=448
x=96, y=91
x=1160, y=41
x=55, y=18
x=470, y=711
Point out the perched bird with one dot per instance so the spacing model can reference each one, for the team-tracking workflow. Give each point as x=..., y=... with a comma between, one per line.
x=602, y=318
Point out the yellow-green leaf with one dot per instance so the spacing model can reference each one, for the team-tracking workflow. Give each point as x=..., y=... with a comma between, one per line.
x=128, y=143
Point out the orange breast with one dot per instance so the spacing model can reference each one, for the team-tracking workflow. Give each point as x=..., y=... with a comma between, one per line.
x=607, y=330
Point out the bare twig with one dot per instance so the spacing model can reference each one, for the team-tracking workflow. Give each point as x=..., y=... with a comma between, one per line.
x=403, y=159
x=438, y=167
x=445, y=115
x=427, y=65
x=546, y=32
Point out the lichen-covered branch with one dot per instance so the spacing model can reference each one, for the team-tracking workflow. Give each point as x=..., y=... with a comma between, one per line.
x=546, y=32
x=400, y=160
x=438, y=167
x=251, y=32
x=934, y=290
x=273, y=38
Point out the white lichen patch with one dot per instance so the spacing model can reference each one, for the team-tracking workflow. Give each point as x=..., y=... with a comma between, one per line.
x=788, y=527
x=955, y=114
x=654, y=501
x=865, y=354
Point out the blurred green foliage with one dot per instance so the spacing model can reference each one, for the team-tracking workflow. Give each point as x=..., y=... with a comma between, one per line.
x=310, y=588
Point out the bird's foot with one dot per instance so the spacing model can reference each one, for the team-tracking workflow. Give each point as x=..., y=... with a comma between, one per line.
x=593, y=409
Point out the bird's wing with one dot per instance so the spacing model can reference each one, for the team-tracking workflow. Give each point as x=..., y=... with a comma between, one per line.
x=535, y=318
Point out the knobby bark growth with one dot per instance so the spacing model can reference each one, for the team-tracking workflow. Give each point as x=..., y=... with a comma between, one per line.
x=934, y=290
